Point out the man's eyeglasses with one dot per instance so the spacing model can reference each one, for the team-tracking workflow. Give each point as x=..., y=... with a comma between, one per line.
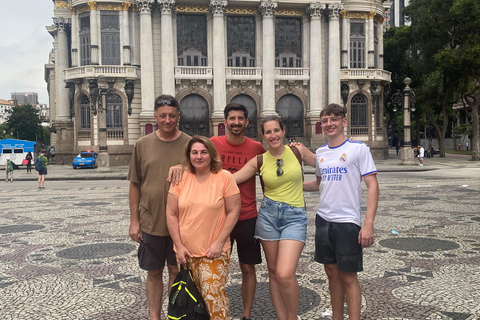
x=332, y=119
x=169, y=103
x=279, y=169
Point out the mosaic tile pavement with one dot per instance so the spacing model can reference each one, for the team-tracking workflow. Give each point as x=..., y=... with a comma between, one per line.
x=68, y=256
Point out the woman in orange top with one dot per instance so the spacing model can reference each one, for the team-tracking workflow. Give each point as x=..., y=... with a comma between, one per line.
x=201, y=212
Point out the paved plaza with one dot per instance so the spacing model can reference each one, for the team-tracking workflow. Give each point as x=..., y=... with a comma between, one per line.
x=65, y=251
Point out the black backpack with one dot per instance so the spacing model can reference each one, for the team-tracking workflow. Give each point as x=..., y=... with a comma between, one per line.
x=184, y=301
x=39, y=164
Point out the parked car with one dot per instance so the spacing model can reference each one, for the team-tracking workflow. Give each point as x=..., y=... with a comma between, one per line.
x=85, y=159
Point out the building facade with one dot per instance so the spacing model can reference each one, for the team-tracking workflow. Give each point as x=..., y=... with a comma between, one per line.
x=5, y=109
x=24, y=98
x=288, y=58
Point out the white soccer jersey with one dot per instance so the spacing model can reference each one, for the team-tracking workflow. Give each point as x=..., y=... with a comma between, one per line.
x=341, y=169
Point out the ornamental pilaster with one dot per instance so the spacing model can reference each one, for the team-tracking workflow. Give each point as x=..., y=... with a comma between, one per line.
x=316, y=10
x=217, y=7
x=145, y=6
x=61, y=24
x=126, y=6
x=166, y=6
x=267, y=9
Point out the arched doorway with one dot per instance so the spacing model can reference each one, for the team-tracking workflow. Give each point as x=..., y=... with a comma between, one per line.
x=249, y=103
x=290, y=108
x=194, y=115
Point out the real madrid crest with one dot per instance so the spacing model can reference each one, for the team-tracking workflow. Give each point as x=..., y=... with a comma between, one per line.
x=343, y=158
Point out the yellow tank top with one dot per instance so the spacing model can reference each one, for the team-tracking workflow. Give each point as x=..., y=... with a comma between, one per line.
x=288, y=187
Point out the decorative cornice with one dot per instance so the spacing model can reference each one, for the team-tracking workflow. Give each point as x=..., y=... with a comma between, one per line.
x=344, y=14
x=289, y=12
x=192, y=9
x=217, y=7
x=145, y=6
x=62, y=5
x=92, y=5
x=83, y=9
x=316, y=10
x=334, y=10
x=126, y=6
x=357, y=15
x=109, y=7
x=166, y=6
x=372, y=14
x=267, y=9
x=231, y=10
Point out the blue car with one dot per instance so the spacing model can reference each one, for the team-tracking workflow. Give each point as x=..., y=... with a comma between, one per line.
x=85, y=159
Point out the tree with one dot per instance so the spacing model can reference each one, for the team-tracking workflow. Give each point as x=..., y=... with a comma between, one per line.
x=24, y=122
x=446, y=37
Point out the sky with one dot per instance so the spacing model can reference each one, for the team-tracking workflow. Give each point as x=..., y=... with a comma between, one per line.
x=24, y=46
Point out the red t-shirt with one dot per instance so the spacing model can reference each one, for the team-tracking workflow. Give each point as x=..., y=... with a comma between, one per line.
x=234, y=157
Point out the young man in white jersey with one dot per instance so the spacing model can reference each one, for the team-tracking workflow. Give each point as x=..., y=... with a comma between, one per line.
x=340, y=237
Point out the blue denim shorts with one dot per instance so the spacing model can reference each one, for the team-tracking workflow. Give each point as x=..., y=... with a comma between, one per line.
x=281, y=221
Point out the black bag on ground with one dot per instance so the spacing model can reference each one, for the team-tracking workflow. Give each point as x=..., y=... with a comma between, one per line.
x=184, y=301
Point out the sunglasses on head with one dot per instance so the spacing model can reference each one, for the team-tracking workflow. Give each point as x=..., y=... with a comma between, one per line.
x=279, y=169
x=169, y=103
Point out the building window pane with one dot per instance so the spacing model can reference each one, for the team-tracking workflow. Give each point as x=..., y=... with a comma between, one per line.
x=357, y=45
x=359, y=111
x=110, y=31
x=288, y=42
x=191, y=40
x=84, y=34
x=84, y=113
x=114, y=111
x=241, y=41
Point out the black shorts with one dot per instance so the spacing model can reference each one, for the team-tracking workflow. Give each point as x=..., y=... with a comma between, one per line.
x=338, y=243
x=42, y=172
x=154, y=251
x=248, y=247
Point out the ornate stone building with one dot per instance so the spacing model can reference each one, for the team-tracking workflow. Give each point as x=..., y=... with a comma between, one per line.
x=291, y=58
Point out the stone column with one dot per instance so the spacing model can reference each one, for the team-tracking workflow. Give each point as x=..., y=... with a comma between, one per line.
x=334, y=52
x=62, y=102
x=94, y=29
x=371, y=40
x=146, y=57
x=75, y=40
x=268, y=59
x=126, y=34
x=380, y=45
x=168, y=57
x=345, y=38
x=217, y=7
x=316, y=64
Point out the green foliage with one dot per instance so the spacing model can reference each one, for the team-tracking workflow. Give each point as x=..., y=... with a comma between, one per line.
x=24, y=122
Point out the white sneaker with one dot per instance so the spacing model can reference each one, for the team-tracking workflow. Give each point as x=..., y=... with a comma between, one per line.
x=298, y=318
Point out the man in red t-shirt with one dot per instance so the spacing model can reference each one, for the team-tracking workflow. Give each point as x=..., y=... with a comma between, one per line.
x=235, y=150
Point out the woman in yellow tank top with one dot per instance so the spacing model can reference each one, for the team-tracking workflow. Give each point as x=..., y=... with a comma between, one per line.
x=282, y=221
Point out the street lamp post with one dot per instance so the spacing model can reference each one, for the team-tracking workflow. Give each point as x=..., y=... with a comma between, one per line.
x=406, y=154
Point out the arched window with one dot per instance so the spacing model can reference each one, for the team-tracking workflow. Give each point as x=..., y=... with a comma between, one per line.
x=84, y=112
x=251, y=105
x=290, y=108
x=114, y=112
x=194, y=117
x=358, y=116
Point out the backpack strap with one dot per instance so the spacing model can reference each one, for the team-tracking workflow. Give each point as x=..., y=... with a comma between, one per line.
x=259, y=165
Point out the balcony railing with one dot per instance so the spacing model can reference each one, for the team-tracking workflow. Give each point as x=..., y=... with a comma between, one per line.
x=366, y=74
x=243, y=74
x=193, y=73
x=114, y=134
x=84, y=135
x=357, y=131
x=95, y=71
x=293, y=74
